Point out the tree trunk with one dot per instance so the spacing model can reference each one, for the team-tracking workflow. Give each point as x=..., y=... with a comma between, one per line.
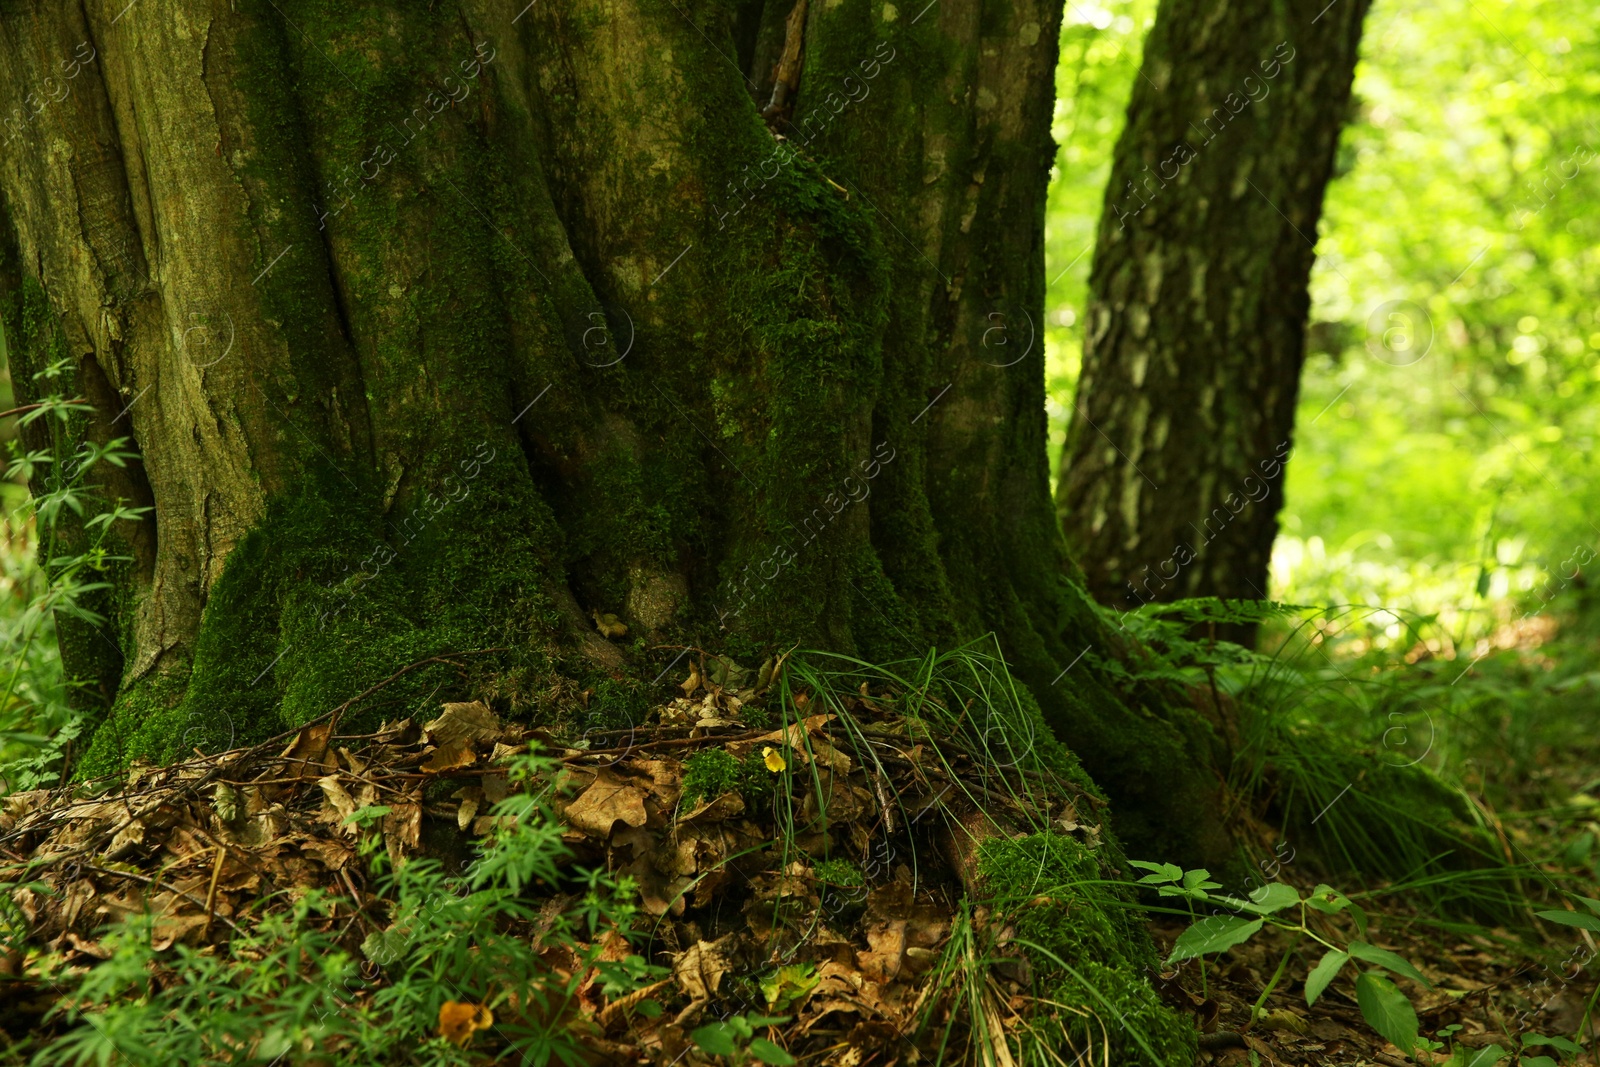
x=1194, y=337
x=446, y=327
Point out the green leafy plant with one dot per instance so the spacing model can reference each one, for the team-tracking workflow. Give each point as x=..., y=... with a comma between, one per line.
x=287, y=984
x=838, y=872
x=735, y=1040
x=1564, y=1048
x=789, y=984
x=1442, y=1041
x=1385, y=1008
x=710, y=773
x=1583, y=920
x=55, y=577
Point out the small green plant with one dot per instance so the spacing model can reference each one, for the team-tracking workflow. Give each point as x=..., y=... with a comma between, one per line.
x=789, y=984
x=288, y=986
x=1386, y=1009
x=713, y=772
x=735, y=1040
x=838, y=872
x=1443, y=1041
x=709, y=774
x=1563, y=1047
x=56, y=577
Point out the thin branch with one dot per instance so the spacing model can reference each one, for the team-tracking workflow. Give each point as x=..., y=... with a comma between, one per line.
x=24, y=409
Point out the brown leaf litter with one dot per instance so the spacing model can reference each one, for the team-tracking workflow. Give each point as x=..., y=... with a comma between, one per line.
x=204, y=845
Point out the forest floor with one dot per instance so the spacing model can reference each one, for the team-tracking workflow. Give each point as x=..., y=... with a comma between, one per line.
x=750, y=936
x=1524, y=749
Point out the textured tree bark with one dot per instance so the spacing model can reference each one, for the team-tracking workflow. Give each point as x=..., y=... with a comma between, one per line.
x=1172, y=472
x=441, y=327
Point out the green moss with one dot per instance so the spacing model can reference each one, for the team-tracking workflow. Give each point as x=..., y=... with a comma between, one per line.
x=885, y=626
x=1096, y=955
x=616, y=701
x=314, y=608
x=715, y=771
x=148, y=710
x=838, y=872
x=709, y=774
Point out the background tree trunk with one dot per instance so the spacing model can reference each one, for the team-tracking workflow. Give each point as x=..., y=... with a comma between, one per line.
x=1171, y=479
x=442, y=327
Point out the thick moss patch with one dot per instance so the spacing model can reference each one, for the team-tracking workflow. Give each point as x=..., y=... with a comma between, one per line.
x=1090, y=951
x=315, y=607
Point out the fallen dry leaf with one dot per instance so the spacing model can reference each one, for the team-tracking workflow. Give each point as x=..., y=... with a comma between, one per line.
x=1283, y=1020
x=717, y=809
x=471, y=722
x=604, y=803
x=471, y=798
x=450, y=756
x=402, y=829
x=882, y=961
x=699, y=968
x=805, y=740
x=609, y=625
x=340, y=802
x=357, y=765
x=309, y=751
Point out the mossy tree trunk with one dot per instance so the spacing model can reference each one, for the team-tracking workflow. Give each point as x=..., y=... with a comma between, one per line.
x=1172, y=472
x=441, y=326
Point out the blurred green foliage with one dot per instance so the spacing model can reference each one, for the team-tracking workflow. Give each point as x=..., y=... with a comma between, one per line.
x=1101, y=45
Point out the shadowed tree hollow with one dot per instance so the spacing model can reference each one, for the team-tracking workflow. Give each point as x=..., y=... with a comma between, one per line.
x=446, y=327
x=1172, y=474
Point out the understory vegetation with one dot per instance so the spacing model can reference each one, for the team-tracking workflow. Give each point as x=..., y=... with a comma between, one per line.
x=920, y=865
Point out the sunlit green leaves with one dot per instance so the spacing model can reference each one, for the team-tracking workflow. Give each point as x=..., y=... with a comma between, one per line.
x=734, y=1039
x=1469, y=190
x=1565, y=1046
x=1272, y=897
x=1160, y=873
x=1582, y=921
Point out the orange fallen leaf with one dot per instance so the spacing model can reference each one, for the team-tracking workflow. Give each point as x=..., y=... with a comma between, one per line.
x=458, y=1021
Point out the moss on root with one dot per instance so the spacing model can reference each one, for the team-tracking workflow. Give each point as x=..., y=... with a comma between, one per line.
x=314, y=608
x=1087, y=949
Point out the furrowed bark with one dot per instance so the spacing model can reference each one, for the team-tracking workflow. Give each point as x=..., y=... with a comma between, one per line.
x=1194, y=335
x=441, y=327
